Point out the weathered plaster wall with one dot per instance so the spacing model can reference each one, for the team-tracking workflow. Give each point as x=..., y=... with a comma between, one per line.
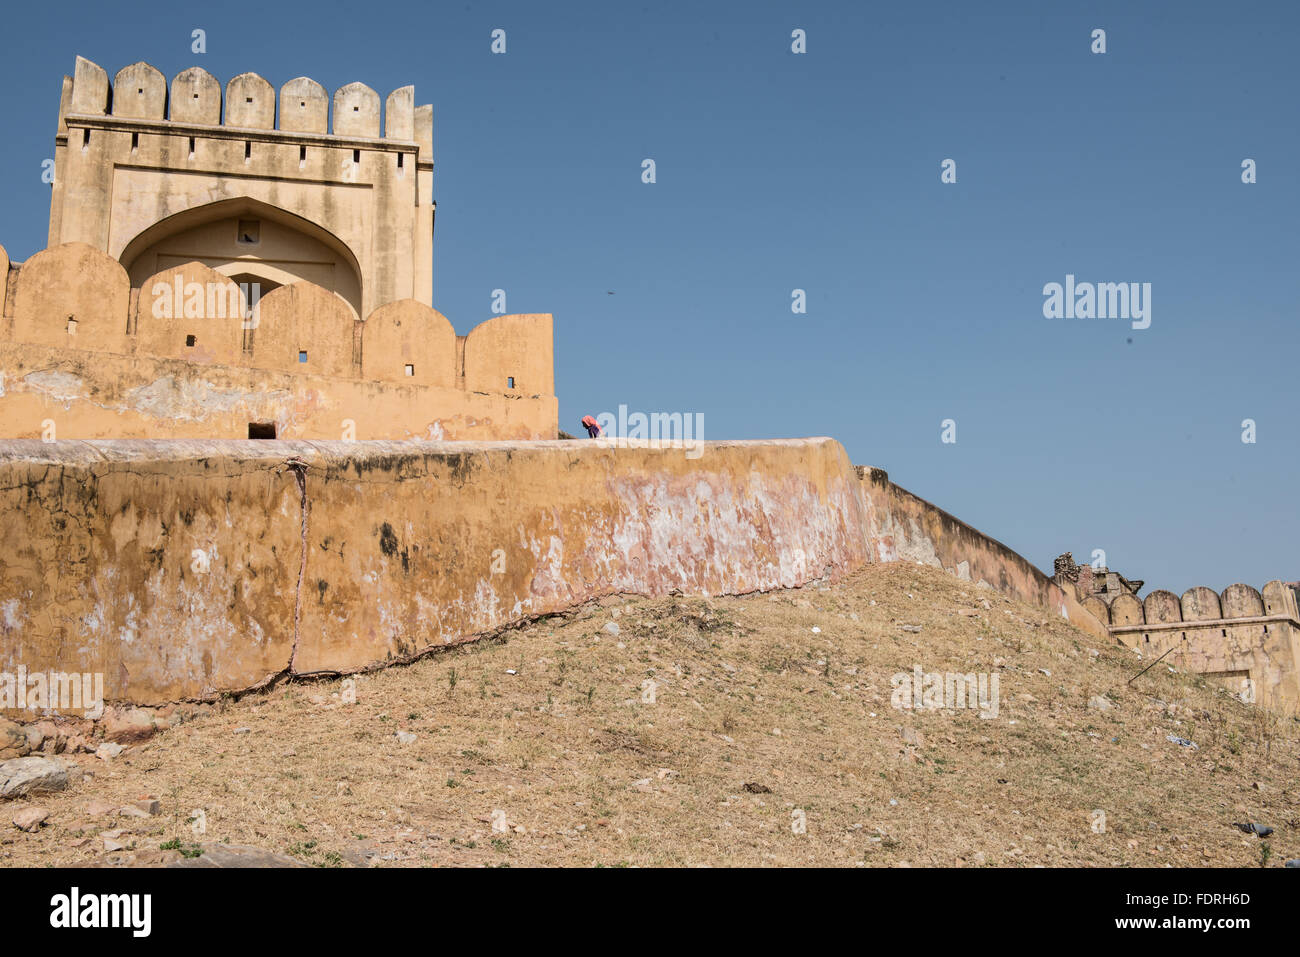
x=906, y=527
x=86, y=395
x=182, y=569
x=181, y=360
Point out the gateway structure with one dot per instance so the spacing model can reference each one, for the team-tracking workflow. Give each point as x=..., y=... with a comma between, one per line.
x=221, y=268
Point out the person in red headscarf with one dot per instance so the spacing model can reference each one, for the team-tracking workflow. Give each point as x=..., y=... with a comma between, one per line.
x=592, y=426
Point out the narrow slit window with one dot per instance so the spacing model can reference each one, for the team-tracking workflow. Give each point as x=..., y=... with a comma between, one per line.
x=191, y=147
x=410, y=369
x=72, y=326
x=510, y=382
x=248, y=150
x=400, y=158
x=356, y=157
x=85, y=139
x=135, y=142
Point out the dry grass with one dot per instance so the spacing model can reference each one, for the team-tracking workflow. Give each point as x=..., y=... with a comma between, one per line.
x=746, y=694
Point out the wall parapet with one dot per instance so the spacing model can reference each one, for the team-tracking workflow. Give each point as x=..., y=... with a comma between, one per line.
x=140, y=94
x=74, y=296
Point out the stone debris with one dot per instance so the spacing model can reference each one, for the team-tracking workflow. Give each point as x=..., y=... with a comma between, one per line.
x=404, y=737
x=23, y=776
x=1100, y=703
x=13, y=741
x=30, y=818
x=109, y=750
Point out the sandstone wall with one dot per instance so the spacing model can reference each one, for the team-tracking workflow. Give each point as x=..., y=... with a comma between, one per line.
x=187, y=568
x=905, y=527
x=1246, y=640
x=182, y=569
x=133, y=166
x=181, y=359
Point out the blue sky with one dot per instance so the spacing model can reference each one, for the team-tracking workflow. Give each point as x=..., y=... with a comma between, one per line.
x=821, y=172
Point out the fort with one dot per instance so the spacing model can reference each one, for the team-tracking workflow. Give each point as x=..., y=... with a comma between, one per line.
x=416, y=494
x=321, y=223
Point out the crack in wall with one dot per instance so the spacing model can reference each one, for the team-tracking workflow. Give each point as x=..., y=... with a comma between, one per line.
x=299, y=469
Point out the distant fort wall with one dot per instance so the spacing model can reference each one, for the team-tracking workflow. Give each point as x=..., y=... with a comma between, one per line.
x=1246, y=639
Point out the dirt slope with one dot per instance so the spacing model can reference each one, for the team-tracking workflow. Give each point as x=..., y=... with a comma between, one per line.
x=759, y=720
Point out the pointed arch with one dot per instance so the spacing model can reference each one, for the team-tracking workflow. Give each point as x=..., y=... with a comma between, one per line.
x=286, y=248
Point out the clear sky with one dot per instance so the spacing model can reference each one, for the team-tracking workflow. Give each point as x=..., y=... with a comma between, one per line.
x=821, y=171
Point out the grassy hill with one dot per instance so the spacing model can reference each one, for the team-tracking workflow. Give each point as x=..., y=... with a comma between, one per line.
x=767, y=709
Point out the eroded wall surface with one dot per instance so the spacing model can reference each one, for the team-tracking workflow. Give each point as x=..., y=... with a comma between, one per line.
x=183, y=569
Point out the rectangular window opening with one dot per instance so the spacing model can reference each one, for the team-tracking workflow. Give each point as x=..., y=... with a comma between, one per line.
x=410, y=369
x=85, y=139
x=191, y=147
x=248, y=150
x=302, y=356
x=72, y=326
x=510, y=382
x=356, y=157
x=250, y=232
x=261, y=430
x=400, y=158
x=190, y=341
x=135, y=142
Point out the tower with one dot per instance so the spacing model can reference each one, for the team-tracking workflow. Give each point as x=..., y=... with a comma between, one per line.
x=157, y=176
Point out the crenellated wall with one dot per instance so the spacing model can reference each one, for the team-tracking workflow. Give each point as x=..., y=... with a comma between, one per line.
x=1247, y=640
x=340, y=188
x=83, y=354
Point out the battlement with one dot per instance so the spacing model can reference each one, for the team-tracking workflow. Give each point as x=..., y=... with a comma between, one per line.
x=191, y=354
x=336, y=191
x=1247, y=639
x=140, y=95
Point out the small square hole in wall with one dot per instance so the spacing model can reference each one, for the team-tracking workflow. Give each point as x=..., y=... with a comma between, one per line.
x=356, y=109
x=248, y=99
x=410, y=369
x=72, y=326
x=141, y=90
x=261, y=430
x=196, y=96
x=510, y=382
x=191, y=341
x=250, y=231
x=302, y=356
